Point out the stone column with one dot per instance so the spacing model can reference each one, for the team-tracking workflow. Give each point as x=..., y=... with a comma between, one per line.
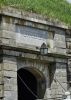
x=9, y=67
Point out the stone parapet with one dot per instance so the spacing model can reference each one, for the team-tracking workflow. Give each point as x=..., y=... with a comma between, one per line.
x=8, y=11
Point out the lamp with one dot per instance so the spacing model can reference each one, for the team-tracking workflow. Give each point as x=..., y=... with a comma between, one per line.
x=43, y=49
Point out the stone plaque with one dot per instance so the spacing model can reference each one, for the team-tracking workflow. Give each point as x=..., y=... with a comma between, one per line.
x=30, y=35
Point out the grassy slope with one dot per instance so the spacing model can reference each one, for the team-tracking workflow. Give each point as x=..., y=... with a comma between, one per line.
x=56, y=9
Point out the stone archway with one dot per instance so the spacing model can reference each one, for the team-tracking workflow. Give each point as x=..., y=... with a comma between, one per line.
x=31, y=84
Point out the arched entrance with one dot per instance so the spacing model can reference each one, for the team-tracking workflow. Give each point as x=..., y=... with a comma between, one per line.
x=31, y=84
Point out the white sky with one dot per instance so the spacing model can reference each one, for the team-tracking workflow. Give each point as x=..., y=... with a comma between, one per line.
x=69, y=1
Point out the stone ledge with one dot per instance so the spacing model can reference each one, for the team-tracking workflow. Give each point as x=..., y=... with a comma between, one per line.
x=9, y=11
x=34, y=56
x=31, y=51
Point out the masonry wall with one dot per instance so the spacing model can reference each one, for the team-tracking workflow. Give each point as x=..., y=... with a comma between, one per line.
x=8, y=79
x=53, y=66
x=10, y=36
x=55, y=73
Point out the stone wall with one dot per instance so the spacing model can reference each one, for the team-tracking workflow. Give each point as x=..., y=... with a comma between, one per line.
x=17, y=54
x=10, y=37
x=9, y=78
x=54, y=72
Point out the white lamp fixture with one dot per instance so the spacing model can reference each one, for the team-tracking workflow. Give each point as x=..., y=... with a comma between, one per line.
x=43, y=49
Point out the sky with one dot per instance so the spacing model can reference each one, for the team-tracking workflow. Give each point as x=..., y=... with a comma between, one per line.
x=69, y=1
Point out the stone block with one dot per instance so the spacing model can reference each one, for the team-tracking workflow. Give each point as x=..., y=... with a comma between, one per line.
x=10, y=74
x=59, y=96
x=5, y=41
x=10, y=66
x=13, y=53
x=64, y=61
x=60, y=73
x=61, y=67
x=10, y=60
x=12, y=81
x=9, y=42
x=54, y=85
x=12, y=42
x=64, y=74
x=8, y=26
x=60, y=44
x=59, y=35
x=64, y=86
x=49, y=98
x=8, y=34
x=53, y=96
x=60, y=92
x=10, y=87
x=7, y=19
x=10, y=95
x=59, y=51
x=61, y=79
x=57, y=74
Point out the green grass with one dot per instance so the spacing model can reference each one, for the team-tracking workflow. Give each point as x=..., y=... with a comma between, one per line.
x=54, y=9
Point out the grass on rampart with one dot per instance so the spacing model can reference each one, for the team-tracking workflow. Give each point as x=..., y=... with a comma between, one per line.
x=55, y=9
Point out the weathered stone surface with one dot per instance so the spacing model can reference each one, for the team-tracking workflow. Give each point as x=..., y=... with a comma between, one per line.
x=10, y=74
x=59, y=51
x=10, y=87
x=12, y=81
x=10, y=95
x=61, y=79
x=9, y=60
x=12, y=42
x=8, y=26
x=60, y=65
x=28, y=56
x=8, y=42
x=1, y=91
x=51, y=65
x=61, y=60
x=10, y=66
x=5, y=41
x=59, y=44
x=8, y=34
x=60, y=34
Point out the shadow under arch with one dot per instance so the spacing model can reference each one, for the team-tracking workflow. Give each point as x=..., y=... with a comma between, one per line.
x=31, y=84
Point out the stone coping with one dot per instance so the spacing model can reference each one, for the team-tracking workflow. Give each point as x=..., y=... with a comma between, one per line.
x=29, y=16
x=21, y=50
